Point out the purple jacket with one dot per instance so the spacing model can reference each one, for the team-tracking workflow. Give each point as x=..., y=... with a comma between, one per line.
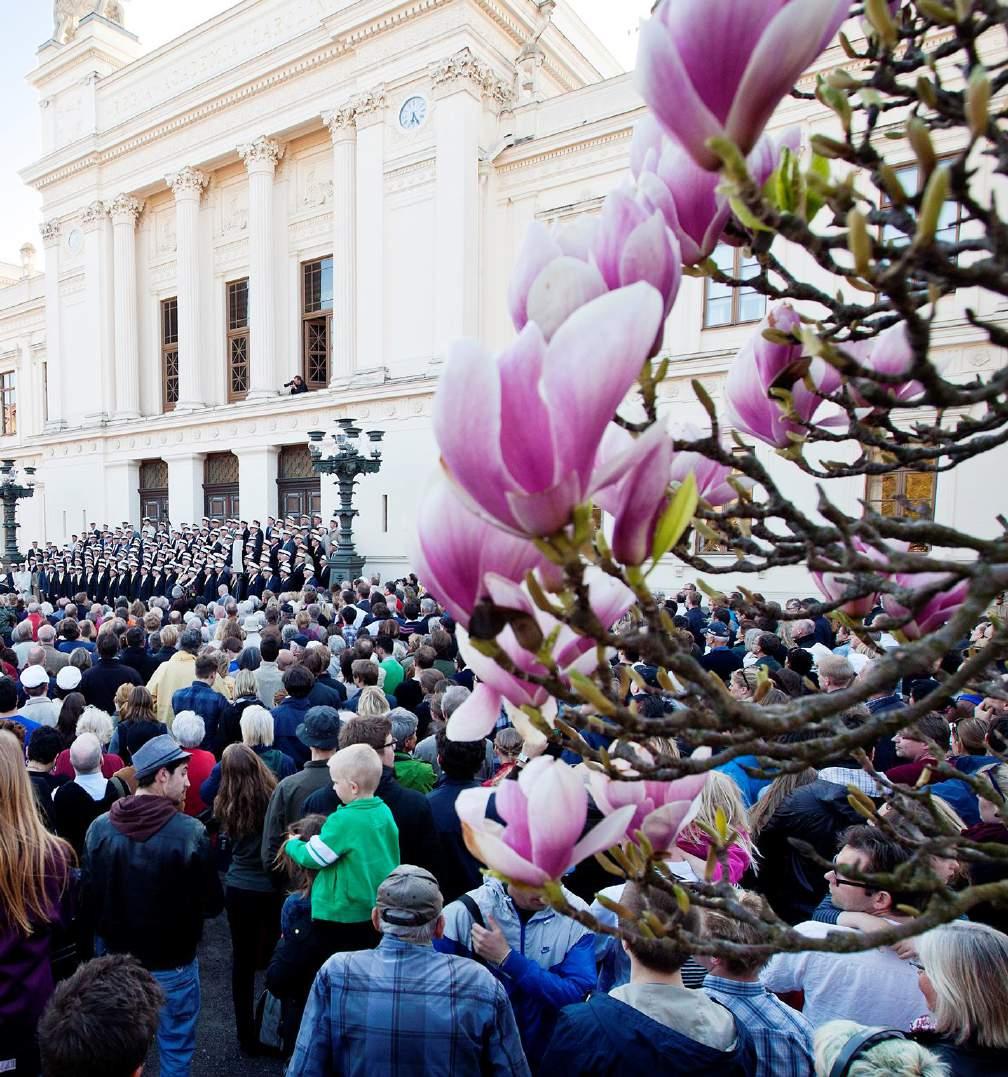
x=26, y=980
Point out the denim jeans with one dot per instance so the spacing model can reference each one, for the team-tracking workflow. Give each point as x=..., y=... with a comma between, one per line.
x=176, y=1034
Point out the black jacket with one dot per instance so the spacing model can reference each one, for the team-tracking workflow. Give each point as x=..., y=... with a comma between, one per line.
x=418, y=838
x=100, y=683
x=792, y=882
x=139, y=659
x=74, y=810
x=148, y=894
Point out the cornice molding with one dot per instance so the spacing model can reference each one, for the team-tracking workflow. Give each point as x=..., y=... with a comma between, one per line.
x=565, y=150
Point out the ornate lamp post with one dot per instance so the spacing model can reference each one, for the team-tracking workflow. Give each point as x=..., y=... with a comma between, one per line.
x=12, y=492
x=346, y=462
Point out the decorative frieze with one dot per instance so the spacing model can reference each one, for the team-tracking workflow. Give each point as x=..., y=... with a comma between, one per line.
x=94, y=214
x=50, y=231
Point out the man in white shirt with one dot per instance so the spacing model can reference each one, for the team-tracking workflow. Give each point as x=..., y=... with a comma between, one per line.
x=37, y=707
x=873, y=987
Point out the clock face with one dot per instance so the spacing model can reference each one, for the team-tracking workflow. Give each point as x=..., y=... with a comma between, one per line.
x=75, y=241
x=413, y=113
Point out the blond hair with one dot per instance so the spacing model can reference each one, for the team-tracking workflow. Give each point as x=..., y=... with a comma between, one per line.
x=721, y=791
x=29, y=855
x=360, y=764
x=967, y=964
x=372, y=702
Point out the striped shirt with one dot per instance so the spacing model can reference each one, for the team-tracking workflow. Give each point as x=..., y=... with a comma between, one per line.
x=783, y=1037
x=404, y=1008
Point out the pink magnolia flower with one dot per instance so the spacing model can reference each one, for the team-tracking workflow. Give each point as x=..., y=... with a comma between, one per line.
x=669, y=180
x=477, y=716
x=765, y=158
x=719, y=68
x=544, y=813
x=933, y=613
x=711, y=477
x=454, y=549
x=520, y=433
x=661, y=809
x=559, y=272
x=890, y=354
x=762, y=366
x=835, y=585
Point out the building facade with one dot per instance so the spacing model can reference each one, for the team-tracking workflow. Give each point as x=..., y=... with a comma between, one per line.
x=333, y=190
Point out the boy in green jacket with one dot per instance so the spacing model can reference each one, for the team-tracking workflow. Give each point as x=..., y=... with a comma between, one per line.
x=357, y=848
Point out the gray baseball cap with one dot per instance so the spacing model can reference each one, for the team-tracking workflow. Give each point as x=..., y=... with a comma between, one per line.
x=409, y=897
x=158, y=752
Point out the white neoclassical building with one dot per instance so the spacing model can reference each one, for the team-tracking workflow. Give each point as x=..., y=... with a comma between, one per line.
x=333, y=189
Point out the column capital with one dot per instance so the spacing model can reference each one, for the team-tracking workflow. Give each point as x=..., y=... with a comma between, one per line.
x=126, y=209
x=370, y=106
x=188, y=182
x=261, y=154
x=50, y=231
x=463, y=70
x=94, y=214
x=342, y=121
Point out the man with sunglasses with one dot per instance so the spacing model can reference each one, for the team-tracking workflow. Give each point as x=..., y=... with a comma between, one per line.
x=873, y=987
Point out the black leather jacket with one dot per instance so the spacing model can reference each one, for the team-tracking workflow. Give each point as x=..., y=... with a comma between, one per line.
x=150, y=897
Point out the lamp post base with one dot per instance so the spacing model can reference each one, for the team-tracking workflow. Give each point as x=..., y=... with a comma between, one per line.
x=345, y=566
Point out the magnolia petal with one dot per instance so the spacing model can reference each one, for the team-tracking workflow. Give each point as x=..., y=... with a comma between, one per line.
x=591, y=364
x=557, y=809
x=538, y=250
x=471, y=806
x=477, y=716
x=526, y=424
x=493, y=851
x=604, y=835
x=664, y=824
x=512, y=806
x=563, y=287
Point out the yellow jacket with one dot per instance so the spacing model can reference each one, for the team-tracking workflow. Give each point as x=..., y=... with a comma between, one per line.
x=178, y=672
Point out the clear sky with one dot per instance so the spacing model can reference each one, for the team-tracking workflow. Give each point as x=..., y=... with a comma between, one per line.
x=28, y=23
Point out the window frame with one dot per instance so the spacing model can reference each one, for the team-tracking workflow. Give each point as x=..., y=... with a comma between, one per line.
x=737, y=260
x=885, y=202
x=900, y=497
x=8, y=387
x=235, y=334
x=168, y=348
x=311, y=319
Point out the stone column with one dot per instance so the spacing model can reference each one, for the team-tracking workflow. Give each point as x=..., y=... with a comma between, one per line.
x=460, y=84
x=185, y=487
x=369, y=361
x=188, y=185
x=54, y=351
x=261, y=158
x=343, y=129
x=122, y=490
x=100, y=269
x=126, y=212
x=257, y=481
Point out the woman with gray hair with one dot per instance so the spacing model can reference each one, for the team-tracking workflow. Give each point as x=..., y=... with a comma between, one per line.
x=847, y=1049
x=964, y=977
x=189, y=730
x=256, y=726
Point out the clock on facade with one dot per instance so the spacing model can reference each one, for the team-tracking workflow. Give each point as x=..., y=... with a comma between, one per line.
x=413, y=113
x=75, y=241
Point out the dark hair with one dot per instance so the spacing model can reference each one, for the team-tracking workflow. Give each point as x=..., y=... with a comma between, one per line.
x=997, y=736
x=365, y=670
x=108, y=645
x=72, y=708
x=246, y=784
x=385, y=642
x=931, y=727
x=269, y=648
x=69, y=629
x=659, y=955
x=135, y=636
x=46, y=743
x=100, y=1021
x=148, y=779
x=205, y=665
x=800, y=661
x=460, y=759
x=373, y=731
x=298, y=681
x=8, y=694
x=769, y=644
x=883, y=856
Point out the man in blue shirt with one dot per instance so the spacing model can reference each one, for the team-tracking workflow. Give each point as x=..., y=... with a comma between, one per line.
x=201, y=697
x=403, y=1007
x=782, y=1036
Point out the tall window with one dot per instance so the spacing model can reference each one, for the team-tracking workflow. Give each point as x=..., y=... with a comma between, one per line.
x=238, y=339
x=169, y=354
x=905, y=495
x=316, y=321
x=949, y=219
x=732, y=306
x=703, y=543
x=8, y=402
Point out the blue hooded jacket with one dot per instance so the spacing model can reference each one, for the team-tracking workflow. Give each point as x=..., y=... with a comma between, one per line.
x=604, y=1036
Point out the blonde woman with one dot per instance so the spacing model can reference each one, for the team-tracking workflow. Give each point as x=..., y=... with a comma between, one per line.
x=693, y=844
x=372, y=702
x=964, y=977
x=35, y=869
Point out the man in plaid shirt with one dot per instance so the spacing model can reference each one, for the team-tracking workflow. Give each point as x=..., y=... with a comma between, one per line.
x=404, y=1007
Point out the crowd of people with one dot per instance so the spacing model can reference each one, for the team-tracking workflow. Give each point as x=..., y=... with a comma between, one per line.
x=168, y=753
